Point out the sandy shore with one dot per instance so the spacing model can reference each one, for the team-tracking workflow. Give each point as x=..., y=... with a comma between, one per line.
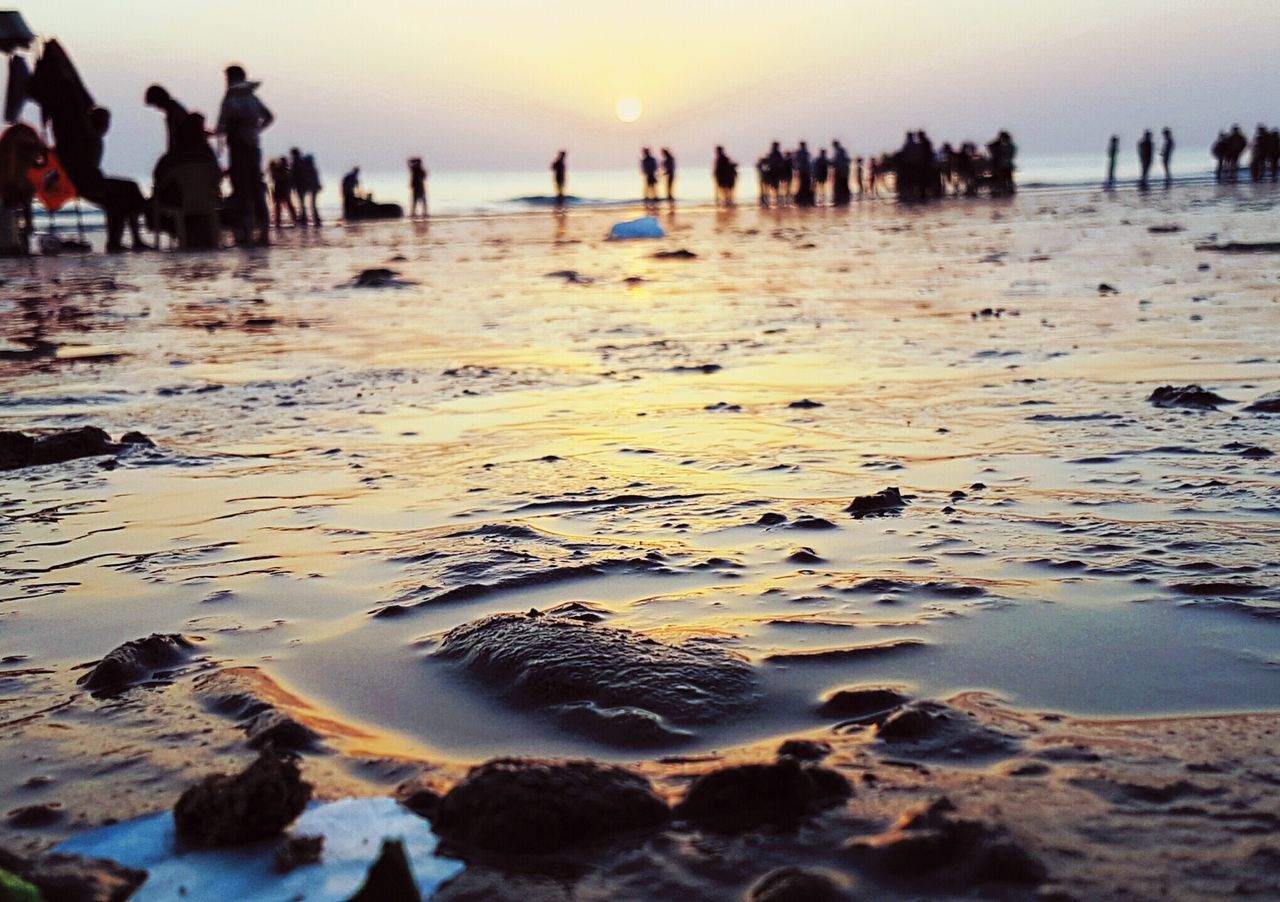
x=345, y=482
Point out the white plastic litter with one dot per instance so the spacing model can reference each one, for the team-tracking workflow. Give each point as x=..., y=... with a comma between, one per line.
x=644, y=227
x=353, y=831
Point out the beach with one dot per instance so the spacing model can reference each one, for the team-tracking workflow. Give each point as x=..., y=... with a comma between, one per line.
x=660, y=454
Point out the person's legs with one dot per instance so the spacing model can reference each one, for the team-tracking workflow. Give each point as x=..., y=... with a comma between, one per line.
x=315, y=212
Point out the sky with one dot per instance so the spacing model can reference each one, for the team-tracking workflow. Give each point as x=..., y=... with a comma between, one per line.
x=502, y=84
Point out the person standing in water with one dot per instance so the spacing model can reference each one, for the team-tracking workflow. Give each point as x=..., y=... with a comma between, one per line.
x=1166, y=154
x=306, y=183
x=417, y=186
x=241, y=119
x=1146, y=151
x=558, y=175
x=669, y=174
x=1113, y=153
x=649, y=170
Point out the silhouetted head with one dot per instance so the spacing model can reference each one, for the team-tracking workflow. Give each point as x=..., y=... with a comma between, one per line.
x=720, y=150
x=1166, y=131
x=294, y=152
x=235, y=75
x=775, y=146
x=804, y=146
x=100, y=120
x=156, y=96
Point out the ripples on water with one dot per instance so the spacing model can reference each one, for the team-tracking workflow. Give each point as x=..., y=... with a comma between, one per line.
x=343, y=475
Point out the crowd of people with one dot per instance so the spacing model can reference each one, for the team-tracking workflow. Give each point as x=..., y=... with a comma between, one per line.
x=1264, y=154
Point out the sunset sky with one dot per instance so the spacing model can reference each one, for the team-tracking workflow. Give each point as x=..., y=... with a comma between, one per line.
x=500, y=84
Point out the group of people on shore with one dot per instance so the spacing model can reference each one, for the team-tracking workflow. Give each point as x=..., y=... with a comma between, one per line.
x=1146, y=156
x=1264, y=154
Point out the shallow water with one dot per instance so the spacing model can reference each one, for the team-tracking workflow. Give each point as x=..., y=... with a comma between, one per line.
x=492, y=438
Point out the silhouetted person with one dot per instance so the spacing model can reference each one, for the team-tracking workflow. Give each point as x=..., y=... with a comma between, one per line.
x=1273, y=154
x=649, y=170
x=174, y=113
x=725, y=173
x=669, y=174
x=558, y=167
x=1146, y=152
x=1233, y=148
x=774, y=164
x=1003, y=156
x=859, y=168
x=242, y=118
x=417, y=186
x=1166, y=155
x=351, y=193
x=1219, y=152
x=802, y=165
x=120, y=199
x=762, y=180
x=1258, y=154
x=840, y=169
x=306, y=183
x=282, y=190
x=821, y=175
x=1113, y=154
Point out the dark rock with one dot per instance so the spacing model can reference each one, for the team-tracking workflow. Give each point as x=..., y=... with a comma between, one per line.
x=1104, y=288
x=572, y=276
x=33, y=817
x=771, y=519
x=274, y=728
x=18, y=450
x=749, y=796
x=75, y=878
x=420, y=797
x=862, y=703
x=1257, y=453
x=804, y=555
x=1030, y=769
x=390, y=878
x=296, y=852
x=1166, y=229
x=931, y=843
x=136, y=661
x=681, y=254
x=882, y=502
x=805, y=404
x=136, y=438
x=812, y=523
x=376, y=278
x=1187, y=396
x=524, y=806
x=257, y=803
x=804, y=749
x=1266, y=404
x=795, y=884
x=546, y=660
x=1242, y=247
x=267, y=713
x=931, y=729
x=704, y=368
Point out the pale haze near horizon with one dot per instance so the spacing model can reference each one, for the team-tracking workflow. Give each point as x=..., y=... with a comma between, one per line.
x=501, y=84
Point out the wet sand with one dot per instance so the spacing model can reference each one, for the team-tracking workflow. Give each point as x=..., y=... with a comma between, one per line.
x=344, y=475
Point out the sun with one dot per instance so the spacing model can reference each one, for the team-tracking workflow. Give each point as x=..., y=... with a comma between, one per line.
x=628, y=109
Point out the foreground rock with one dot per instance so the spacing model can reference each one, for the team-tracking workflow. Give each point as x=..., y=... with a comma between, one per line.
x=884, y=501
x=932, y=729
x=257, y=803
x=526, y=806
x=932, y=842
x=136, y=661
x=73, y=878
x=616, y=684
x=868, y=703
x=267, y=713
x=1192, y=396
x=1266, y=404
x=18, y=450
x=750, y=796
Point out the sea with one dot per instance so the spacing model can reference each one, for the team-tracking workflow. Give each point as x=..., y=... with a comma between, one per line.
x=477, y=193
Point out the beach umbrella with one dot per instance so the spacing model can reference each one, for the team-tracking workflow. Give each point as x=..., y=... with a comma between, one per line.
x=14, y=33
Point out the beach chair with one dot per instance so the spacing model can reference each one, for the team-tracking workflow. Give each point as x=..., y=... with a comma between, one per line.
x=196, y=187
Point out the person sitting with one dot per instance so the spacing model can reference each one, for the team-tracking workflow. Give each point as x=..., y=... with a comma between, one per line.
x=120, y=199
x=189, y=178
x=357, y=206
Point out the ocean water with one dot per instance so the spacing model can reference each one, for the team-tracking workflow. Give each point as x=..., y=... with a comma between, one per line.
x=476, y=193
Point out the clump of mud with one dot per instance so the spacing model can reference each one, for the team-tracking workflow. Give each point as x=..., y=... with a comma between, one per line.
x=257, y=803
